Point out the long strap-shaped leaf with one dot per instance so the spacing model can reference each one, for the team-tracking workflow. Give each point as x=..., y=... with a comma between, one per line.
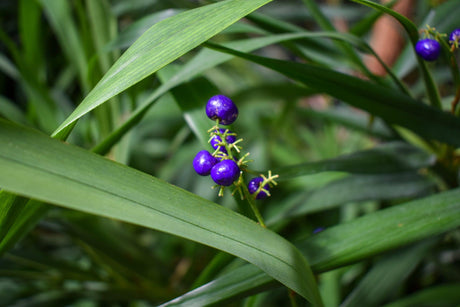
x=412, y=31
x=343, y=245
x=161, y=44
x=207, y=59
x=378, y=100
x=39, y=167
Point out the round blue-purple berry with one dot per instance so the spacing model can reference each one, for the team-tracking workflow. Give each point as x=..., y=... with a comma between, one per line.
x=203, y=163
x=225, y=172
x=428, y=49
x=254, y=184
x=454, y=35
x=215, y=140
x=222, y=108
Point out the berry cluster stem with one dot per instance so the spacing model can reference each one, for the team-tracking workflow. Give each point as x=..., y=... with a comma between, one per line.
x=253, y=205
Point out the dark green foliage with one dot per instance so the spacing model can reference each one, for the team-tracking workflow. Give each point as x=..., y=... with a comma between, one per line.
x=102, y=110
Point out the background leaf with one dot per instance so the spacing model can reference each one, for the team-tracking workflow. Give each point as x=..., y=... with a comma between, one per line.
x=392, y=106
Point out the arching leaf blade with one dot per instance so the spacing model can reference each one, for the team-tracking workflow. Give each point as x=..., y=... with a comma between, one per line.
x=36, y=166
x=161, y=44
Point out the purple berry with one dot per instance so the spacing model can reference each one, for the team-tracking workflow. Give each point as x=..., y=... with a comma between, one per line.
x=203, y=163
x=222, y=108
x=215, y=140
x=428, y=49
x=225, y=172
x=254, y=184
x=454, y=35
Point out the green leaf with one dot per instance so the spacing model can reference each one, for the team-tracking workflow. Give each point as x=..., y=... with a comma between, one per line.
x=18, y=221
x=240, y=282
x=42, y=168
x=443, y=296
x=387, y=275
x=191, y=97
x=392, y=106
x=355, y=188
x=347, y=243
x=207, y=59
x=364, y=25
x=384, y=230
x=355, y=120
x=60, y=16
x=129, y=35
x=12, y=206
x=388, y=158
x=161, y=44
x=10, y=111
x=412, y=31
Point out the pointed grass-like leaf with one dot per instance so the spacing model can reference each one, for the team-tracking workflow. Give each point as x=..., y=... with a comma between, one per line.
x=387, y=158
x=390, y=105
x=207, y=59
x=161, y=44
x=18, y=221
x=351, y=119
x=132, y=32
x=191, y=97
x=387, y=275
x=354, y=188
x=346, y=244
x=59, y=14
x=36, y=166
x=446, y=294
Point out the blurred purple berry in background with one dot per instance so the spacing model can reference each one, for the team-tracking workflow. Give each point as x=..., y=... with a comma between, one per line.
x=317, y=230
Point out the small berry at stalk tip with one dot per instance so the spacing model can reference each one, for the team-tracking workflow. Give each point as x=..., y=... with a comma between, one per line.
x=254, y=185
x=222, y=108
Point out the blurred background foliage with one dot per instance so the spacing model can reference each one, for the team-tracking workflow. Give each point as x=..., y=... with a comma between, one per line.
x=52, y=53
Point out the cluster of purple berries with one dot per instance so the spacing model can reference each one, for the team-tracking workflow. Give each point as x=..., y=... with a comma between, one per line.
x=429, y=49
x=221, y=165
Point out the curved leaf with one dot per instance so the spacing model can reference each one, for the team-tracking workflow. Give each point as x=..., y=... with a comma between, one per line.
x=161, y=44
x=388, y=158
x=354, y=188
x=207, y=59
x=39, y=167
x=412, y=31
x=392, y=106
x=346, y=244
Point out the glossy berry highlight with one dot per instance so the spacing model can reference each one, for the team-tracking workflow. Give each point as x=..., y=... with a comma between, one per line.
x=225, y=172
x=216, y=140
x=254, y=185
x=222, y=108
x=204, y=162
x=428, y=49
